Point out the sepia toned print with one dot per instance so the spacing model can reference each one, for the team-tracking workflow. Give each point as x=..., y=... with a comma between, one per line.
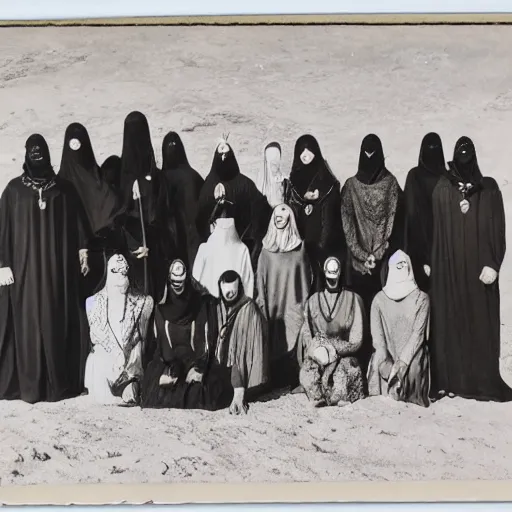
x=227, y=93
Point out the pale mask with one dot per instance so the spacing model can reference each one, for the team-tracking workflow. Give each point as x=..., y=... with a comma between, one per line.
x=230, y=291
x=281, y=217
x=398, y=268
x=332, y=272
x=273, y=157
x=177, y=277
x=117, y=271
x=223, y=149
x=307, y=157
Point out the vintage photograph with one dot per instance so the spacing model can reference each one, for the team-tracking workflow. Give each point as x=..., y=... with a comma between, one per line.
x=255, y=254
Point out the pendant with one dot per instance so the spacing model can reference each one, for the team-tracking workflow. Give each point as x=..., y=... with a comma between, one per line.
x=308, y=209
x=42, y=204
x=464, y=206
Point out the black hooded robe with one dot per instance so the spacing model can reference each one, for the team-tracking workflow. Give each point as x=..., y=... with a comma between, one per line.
x=367, y=201
x=138, y=163
x=186, y=337
x=184, y=186
x=251, y=210
x=100, y=203
x=318, y=220
x=41, y=247
x=419, y=186
x=465, y=322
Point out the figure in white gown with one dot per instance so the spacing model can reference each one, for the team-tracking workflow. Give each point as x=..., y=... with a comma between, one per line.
x=118, y=322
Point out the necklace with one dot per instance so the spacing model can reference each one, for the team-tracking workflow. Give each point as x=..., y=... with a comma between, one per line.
x=39, y=187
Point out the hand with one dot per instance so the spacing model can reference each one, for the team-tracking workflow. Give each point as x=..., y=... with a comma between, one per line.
x=311, y=195
x=238, y=405
x=398, y=370
x=370, y=262
x=220, y=192
x=6, y=276
x=141, y=252
x=194, y=376
x=320, y=356
x=385, y=368
x=426, y=269
x=83, y=256
x=167, y=380
x=488, y=275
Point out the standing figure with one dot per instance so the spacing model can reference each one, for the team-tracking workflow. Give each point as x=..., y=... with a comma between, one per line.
x=241, y=346
x=251, y=210
x=283, y=282
x=42, y=251
x=149, y=228
x=272, y=179
x=110, y=172
x=373, y=222
x=419, y=186
x=313, y=192
x=118, y=321
x=399, y=367
x=223, y=251
x=331, y=335
x=184, y=373
x=101, y=206
x=184, y=185
x=467, y=252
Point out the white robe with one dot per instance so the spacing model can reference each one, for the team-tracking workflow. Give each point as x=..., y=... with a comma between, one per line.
x=223, y=251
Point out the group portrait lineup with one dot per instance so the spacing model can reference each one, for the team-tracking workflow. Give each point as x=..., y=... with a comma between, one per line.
x=156, y=288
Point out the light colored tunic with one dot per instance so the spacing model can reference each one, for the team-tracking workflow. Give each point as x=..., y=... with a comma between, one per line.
x=283, y=282
x=117, y=348
x=399, y=331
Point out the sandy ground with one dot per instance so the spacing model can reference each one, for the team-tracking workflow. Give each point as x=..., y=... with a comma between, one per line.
x=261, y=84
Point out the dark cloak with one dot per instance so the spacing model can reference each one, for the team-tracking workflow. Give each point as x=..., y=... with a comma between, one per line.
x=419, y=186
x=174, y=320
x=251, y=210
x=184, y=186
x=465, y=328
x=99, y=201
x=41, y=247
x=138, y=163
x=369, y=180
x=321, y=230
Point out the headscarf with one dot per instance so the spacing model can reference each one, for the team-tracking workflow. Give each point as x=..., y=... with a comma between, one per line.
x=138, y=163
x=181, y=309
x=173, y=152
x=371, y=167
x=398, y=276
x=282, y=240
x=431, y=156
x=79, y=167
x=315, y=175
x=465, y=171
x=224, y=169
x=271, y=184
x=110, y=172
x=38, y=165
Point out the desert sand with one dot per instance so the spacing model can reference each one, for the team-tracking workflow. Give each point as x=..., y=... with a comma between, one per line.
x=262, y=84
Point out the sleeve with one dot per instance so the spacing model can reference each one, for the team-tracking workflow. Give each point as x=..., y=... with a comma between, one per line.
x=331, y=219
x=377, y=331
x=492, y=245
x=305, y=336
x=199, y=262
x=396, y=240
x=418, y=336
x=5, y=229
x=247, y=273
x=261, y=287
x=349, y=228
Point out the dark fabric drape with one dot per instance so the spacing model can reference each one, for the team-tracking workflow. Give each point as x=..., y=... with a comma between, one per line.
x=43, y=329
x=184, y=187
x=419, y=187
x=251, y=210
x=465, y=329
x=318, y=218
